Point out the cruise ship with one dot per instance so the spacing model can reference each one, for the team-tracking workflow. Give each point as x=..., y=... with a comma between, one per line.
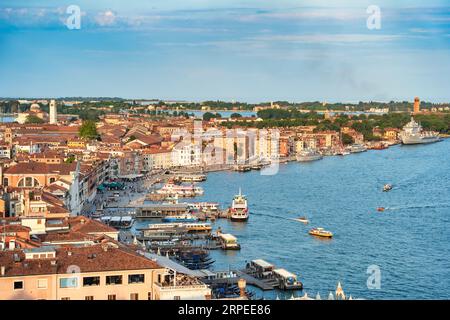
x=308, y=155
x=413, y=133
x=239, y=208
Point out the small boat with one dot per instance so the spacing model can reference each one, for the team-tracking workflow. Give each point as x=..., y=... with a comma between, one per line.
x=381, y=209
x=302, y=219
x=387, y=187
x=320, y=232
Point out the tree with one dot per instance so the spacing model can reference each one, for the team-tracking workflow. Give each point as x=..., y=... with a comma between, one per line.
x=208, y=116
x=88, y=130
x=235, y=115
x=347, y=139
x=33, y=119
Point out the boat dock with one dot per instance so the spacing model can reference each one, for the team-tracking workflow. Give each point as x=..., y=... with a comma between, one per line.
x=161, y=210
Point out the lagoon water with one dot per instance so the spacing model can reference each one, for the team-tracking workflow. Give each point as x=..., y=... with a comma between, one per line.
x=409, y=241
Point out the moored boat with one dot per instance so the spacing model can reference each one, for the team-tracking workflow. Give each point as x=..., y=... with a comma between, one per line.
x=180, y=218
x=413, y=133
x=308, y=155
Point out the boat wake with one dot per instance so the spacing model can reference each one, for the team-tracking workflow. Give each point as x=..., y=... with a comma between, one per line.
x=425, y=206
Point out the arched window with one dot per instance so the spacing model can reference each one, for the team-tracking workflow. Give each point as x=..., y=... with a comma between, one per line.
x=28, y=182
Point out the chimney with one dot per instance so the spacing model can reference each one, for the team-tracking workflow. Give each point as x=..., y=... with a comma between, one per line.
x=69, y=253
x=82, y=221
x=2, y=271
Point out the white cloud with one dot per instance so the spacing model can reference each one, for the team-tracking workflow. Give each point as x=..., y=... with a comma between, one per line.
x=106, y=18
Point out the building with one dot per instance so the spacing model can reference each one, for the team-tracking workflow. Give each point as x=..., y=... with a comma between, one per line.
x=53, y=112
x=416, y=105
x=106, y=271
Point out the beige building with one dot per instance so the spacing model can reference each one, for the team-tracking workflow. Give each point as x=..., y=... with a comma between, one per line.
x=106, y=271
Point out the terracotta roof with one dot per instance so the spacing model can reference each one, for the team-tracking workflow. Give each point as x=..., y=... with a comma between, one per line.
x=41, y=168
x=96, y=258
x=86, y=225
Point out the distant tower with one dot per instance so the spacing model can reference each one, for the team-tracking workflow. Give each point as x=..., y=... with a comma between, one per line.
x=53, y=112
x=416, y=105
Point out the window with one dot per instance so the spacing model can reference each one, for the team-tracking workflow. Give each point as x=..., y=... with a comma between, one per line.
x=176, y=298
x=52, y=180
x=134, y=296
x=149, y=296
x=136, y=278
x=18, y=285
x=91, y=281
x=110, y=280
x=89, y=298
x=42, y=284
x=111, y=297
x=68, y=282
x=65, y=298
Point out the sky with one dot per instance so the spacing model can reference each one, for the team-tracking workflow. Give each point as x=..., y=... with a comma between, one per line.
x=241, y=50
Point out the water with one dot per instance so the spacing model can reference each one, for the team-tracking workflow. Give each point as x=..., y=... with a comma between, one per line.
x=5, y=119
x=409, y=241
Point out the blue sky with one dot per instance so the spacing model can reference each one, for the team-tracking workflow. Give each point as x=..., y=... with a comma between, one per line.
x=231, y=50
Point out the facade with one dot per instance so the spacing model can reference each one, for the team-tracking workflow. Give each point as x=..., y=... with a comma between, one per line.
x=105, y=271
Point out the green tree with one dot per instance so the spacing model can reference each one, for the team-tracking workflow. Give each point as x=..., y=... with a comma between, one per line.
x=347, y=139
x=88, y=130
x=33, y=119
x=208, y=116
x=235, y=115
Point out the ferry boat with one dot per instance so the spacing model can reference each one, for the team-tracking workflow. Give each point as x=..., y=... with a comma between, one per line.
x=228, y=242
x=180, y=190
x=287, y=280
x=192, y=178
x=413, y=133
x=239, y=208
x=320, y=232
x=121, y=222
x=387, y=187
x=308, y=155
x=188, y=227
x=356, y=148
x=180, y=218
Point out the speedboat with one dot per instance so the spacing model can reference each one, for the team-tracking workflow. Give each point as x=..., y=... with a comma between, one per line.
x=320, y=232
x=381, y=209
x=387, y=187
x=302, y=219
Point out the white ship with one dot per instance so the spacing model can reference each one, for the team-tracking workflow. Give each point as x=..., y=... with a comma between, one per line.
x=239, y=208
x=181, y=191
x=308, y=155
x=355, y=148
x=413, y=133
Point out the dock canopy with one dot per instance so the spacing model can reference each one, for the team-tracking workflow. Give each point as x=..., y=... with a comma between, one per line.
x=284, y=274
x=262, y=263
